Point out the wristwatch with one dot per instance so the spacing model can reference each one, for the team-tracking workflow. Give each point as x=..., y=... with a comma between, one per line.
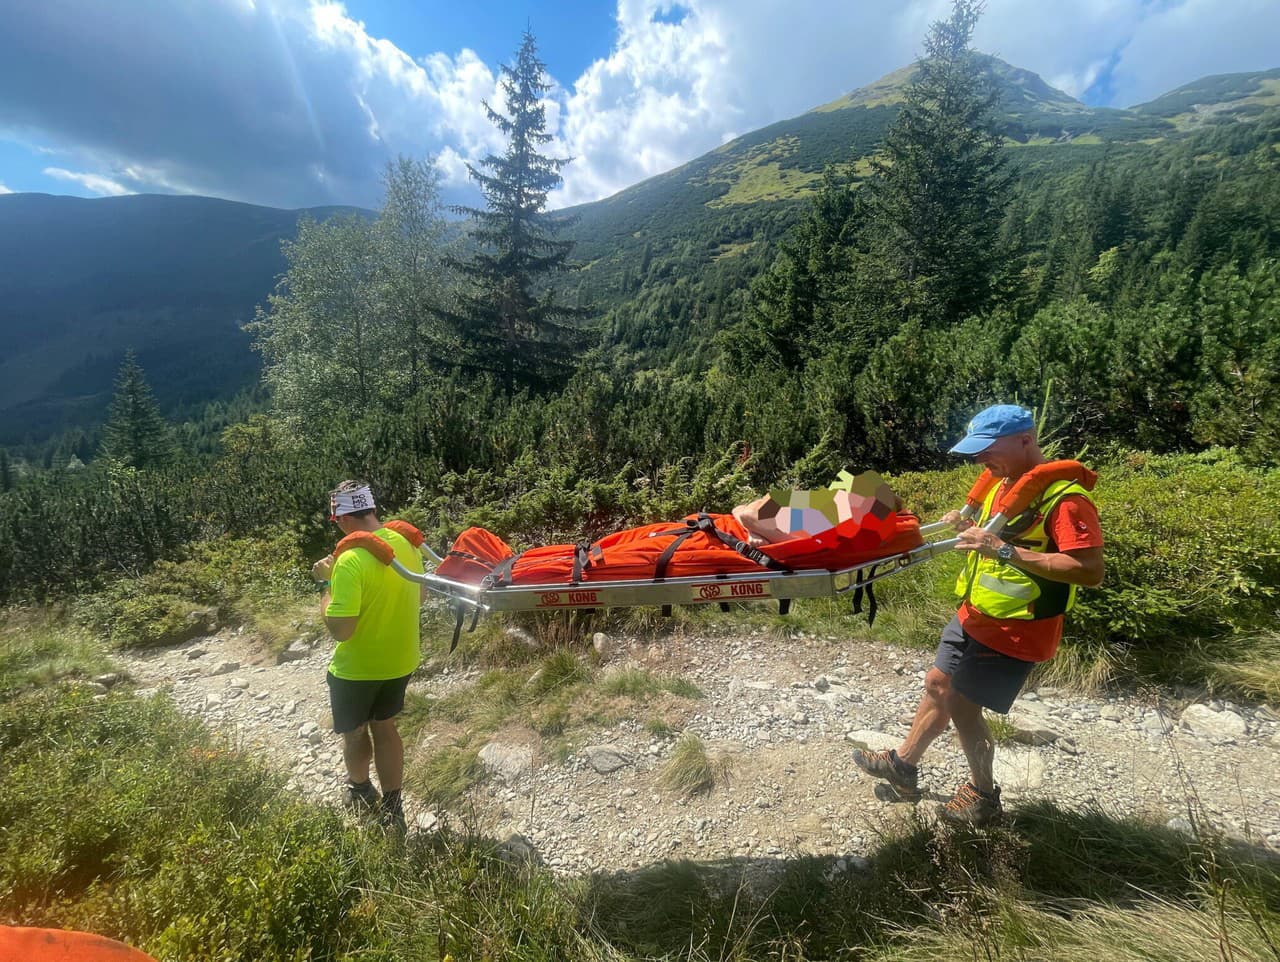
x=1006, y=552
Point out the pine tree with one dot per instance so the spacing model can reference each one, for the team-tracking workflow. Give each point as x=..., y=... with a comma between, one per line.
x=511, y=322
x=136, y=433
x=6, y=471
x=935, y=202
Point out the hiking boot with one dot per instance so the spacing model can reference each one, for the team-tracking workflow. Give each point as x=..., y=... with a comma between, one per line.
x=971, y=807
x=391, y=812
x=902, y=778
x=361, y=798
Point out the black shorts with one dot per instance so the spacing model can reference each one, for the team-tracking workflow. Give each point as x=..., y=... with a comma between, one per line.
x=990, y=678
x=353, y=703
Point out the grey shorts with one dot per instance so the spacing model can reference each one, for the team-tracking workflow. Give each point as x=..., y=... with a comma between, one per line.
x=987, y=677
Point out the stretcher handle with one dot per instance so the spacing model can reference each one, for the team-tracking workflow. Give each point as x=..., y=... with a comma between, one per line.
x=453, y=590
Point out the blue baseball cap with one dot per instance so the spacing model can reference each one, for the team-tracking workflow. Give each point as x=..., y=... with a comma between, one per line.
x=997, y=421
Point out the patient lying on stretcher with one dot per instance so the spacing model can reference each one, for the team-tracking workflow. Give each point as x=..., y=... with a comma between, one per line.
x=856, y=520
x=783, y=515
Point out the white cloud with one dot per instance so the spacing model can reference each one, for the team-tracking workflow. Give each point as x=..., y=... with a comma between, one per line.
x=1184, y=40
x=103, y=186
x=4, y=189
x=293, y=102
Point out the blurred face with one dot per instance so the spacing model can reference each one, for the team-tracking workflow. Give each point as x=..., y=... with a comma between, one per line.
x=1007, y=457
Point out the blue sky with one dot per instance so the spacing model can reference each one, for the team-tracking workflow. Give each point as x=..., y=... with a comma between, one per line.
x=293, y=103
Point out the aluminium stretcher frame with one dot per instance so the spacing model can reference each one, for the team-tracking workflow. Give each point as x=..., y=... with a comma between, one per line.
x=780, y=586
x=685, y=590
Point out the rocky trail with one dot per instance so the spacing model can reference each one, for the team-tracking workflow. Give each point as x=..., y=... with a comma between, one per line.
x=785, y=716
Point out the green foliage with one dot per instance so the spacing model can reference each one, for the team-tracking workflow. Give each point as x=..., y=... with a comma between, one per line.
x=224, y=582
x=39, y=647
x=511, y=322
x=934, y=203
x=354, y=324
x=136, y=434
x=1192, y=562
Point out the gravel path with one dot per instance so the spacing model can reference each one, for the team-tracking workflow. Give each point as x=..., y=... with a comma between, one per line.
x=785, y=715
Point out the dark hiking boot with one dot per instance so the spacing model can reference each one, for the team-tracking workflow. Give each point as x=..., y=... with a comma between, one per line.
x=902, y=778
x=971, y=807
x=391, y=812
x=361, y=798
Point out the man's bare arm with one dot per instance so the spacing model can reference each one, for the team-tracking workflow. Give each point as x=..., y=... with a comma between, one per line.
x=1081, y=566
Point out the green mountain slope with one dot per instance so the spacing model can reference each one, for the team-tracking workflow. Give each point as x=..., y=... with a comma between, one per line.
x=1222, y=98
x=83, y=280
x=723, y=212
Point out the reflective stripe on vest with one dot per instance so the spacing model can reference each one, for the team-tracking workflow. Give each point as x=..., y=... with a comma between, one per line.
x=1001, y=590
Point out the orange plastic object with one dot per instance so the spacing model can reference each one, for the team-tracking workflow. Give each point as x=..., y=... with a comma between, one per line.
x=978, y=493
x=19, y=944
x=633, y=554
x=1028, y=488
x=370, y=542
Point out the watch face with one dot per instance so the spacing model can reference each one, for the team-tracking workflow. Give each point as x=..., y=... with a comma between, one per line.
x=1005, y=552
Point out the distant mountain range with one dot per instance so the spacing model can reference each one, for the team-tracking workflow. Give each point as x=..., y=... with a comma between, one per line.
x=175, y=277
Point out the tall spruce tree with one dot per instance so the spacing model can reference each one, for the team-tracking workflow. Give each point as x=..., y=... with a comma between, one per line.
x=136, y=433
x=934, y=205
x=6, y=471
x=511, y=322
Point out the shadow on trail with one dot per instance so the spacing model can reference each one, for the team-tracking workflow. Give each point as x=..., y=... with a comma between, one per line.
x=1056, y=860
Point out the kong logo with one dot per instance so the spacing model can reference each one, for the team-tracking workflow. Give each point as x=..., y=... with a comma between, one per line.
x=567, y=599
x=722, y=592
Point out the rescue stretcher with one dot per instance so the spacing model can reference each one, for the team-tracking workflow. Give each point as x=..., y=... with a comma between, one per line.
x=913, y=544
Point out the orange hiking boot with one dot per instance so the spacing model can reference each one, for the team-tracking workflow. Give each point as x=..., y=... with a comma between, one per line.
x=971, y=807
x=902, y=778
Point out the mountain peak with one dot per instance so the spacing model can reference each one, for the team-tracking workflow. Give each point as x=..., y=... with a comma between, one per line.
x=1020, y=90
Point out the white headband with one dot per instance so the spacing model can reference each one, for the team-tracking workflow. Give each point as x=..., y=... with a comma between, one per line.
x=349, y=502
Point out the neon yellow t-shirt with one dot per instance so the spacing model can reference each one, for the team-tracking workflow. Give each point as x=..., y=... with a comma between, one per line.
x=385, y=643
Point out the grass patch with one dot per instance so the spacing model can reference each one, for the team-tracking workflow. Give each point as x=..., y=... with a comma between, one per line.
x=41, y=647
x=640, y=684
x=1003, y=731
x=444, y=776
x=690, y=771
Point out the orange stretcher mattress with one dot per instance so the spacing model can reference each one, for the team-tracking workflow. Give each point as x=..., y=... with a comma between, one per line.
x=637, y=553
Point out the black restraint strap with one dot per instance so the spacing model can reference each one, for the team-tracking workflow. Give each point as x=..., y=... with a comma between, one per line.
x=501, y=572
x=706, y=524
x=869, y=589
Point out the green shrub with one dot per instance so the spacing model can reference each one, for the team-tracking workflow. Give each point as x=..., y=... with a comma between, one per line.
x=226, y=581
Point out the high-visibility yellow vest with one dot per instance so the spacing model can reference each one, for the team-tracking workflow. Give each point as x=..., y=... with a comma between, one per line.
x=1001, y=590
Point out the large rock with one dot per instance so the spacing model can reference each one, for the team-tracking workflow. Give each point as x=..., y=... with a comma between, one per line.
x=606, y=759
x=1217, y=726
x=873, y=740
x=604, y=645
x=298, y=650
x=505, y=760
x=1018, y=771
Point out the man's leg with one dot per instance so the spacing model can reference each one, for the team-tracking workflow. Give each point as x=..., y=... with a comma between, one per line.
x=898, y=768
x=388, y=755
x=357, y=753
x=975, y=738
x=984, y=678
x=932, y=717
